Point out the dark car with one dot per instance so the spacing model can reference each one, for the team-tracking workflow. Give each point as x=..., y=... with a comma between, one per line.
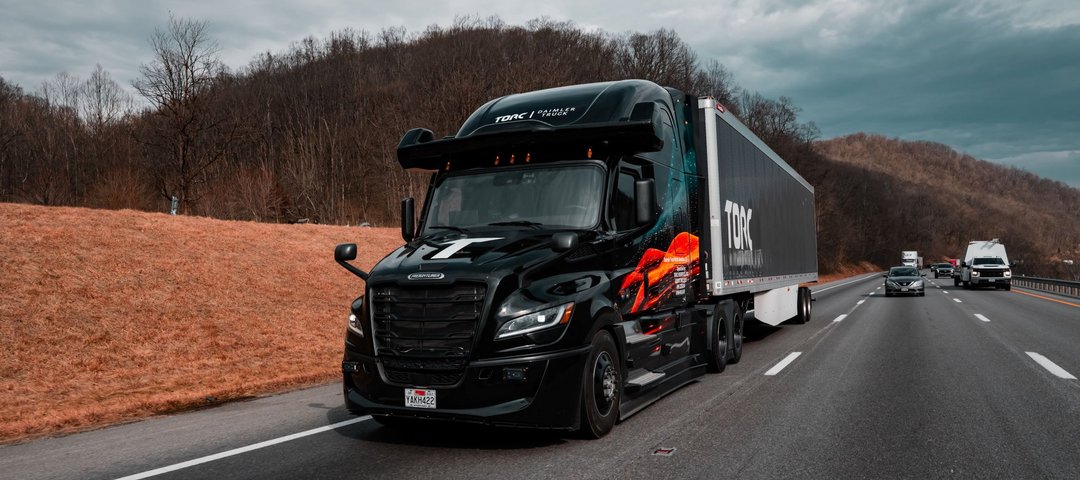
x=904, y=281
x=942, y=270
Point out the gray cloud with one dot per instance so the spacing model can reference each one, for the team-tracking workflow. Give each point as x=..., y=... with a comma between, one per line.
x=993, y=78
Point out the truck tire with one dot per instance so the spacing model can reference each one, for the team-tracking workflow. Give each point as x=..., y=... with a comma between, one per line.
x=1008, y=287
x=804, y=306
x=718, y=354
x=738, y=323
x=601, y=389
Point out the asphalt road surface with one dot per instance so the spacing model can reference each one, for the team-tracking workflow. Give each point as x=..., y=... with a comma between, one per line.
x=959, y=383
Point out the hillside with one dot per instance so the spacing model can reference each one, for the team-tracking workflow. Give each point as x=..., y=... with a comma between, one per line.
x=877, y=196
x=114, y=315
x=311, y=133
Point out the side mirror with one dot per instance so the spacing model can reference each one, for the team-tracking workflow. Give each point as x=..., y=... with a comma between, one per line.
x=408, y=219
x=564, y=241
x=645, y=201
x=885, y=275
x=923, y=274
x=345, y=253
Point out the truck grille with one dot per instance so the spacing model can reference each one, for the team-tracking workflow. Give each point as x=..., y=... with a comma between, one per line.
x=424, y=334
x=992, y=273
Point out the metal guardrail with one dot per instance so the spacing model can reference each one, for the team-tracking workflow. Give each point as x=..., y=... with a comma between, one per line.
x=1061, y=287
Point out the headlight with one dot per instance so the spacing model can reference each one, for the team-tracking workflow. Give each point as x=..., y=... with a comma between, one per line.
x=354, y=320
x=546, y=318
x=1008, y=273
x=891, y=283
x=974, y=273
x=916, y=283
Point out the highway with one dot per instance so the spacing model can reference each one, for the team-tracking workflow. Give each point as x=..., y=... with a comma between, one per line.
x=959, y=383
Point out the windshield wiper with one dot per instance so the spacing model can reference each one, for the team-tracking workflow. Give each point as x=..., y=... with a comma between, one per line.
x=519, y=223
x=449, y=227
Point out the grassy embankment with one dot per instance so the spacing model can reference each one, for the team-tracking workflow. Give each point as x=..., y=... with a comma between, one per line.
x=108, y=316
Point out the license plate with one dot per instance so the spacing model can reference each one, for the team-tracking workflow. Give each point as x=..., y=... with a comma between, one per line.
x=904, y=289
x=417, y=398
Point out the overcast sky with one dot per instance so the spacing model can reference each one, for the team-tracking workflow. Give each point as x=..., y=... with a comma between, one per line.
x=998, y=79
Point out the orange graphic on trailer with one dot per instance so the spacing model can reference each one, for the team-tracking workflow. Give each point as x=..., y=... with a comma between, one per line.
x=662, y=275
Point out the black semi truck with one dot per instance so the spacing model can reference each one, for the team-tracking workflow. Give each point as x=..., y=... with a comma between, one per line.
x=582, y=251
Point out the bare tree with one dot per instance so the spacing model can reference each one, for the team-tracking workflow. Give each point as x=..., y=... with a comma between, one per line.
x=180, y=84
x=103, y=101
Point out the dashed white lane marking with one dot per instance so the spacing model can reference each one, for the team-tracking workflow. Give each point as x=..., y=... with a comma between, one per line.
x=783, y=363
x=946, y=292
x=861, y=302
x=957, y=300
x=1051, y=366
x=840, y=318
x=238, y=451
x=981, y=317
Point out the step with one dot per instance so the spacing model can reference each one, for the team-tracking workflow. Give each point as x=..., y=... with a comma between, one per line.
x=644, y=379
x=639, y=338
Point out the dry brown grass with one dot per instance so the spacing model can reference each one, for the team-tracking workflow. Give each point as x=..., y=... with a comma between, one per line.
x=107, y=316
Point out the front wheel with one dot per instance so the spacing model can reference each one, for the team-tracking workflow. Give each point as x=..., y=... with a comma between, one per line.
x=602, y=387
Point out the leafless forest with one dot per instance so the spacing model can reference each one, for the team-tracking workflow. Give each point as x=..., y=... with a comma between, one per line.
x=309, y=133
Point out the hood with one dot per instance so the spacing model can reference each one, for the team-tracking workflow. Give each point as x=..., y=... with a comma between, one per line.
x=476, y=256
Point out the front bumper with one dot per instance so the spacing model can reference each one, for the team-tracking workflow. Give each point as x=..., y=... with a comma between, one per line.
x=991, y=280
x=547, y=397
x=901, y=290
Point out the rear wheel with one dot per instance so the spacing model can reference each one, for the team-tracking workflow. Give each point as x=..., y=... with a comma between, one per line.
x=719, y=355
x=602, y=387
x=737, y=325
x=804, y=301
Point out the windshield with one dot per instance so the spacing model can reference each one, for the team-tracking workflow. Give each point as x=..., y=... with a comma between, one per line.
x=988, y=261
x=903, y=272
x=563, y=197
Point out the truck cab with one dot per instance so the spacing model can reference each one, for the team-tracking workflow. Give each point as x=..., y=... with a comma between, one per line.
x=554, y=276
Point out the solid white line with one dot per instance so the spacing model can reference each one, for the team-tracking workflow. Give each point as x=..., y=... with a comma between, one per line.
x=840, y=318
x=869, y=275
x=860, y=302
x=1051, y=366
x=981, y=317
x=957, y=300
x=783, y=363
x=237, y=451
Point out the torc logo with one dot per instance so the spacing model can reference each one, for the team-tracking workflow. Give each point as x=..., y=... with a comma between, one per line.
x=511, y=117
x=738, y=226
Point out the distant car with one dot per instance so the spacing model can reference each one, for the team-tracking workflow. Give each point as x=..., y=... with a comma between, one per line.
x=941, y=270
x=904, y=281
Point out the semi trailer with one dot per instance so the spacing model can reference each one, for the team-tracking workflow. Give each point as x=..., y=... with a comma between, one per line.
x=581, y=252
